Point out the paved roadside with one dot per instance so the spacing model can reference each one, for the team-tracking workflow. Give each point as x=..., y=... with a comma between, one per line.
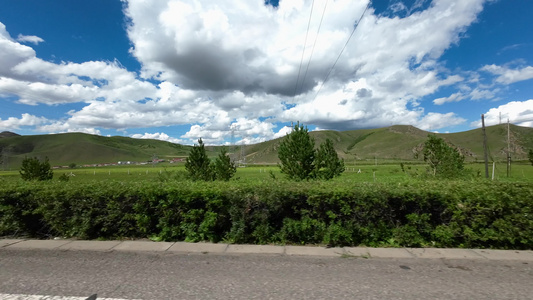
x=232, y=249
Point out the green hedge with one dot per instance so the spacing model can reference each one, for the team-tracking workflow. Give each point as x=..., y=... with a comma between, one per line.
x=432, y=213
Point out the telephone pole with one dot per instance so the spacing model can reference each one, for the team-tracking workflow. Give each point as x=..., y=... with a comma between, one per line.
x=508, y=149
x=485, y=146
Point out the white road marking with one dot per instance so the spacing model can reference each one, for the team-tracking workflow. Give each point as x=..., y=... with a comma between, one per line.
x=43, y=297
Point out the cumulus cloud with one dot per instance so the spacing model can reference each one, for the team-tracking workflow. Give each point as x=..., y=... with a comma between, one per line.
x=157, y=136
x=13, y=123
x=29, y=39
x=481, y=87
x=507, y=75
x=517, y=112
x=452, y=98
x=233, y=67
x=254, y=49
x=433, y=121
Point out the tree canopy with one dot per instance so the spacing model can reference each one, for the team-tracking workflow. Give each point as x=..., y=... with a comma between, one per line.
x=224, y=167
x=34, y=169
x=198, y=164
x=443, y=160
x=299, y=160
x=297, y=154
x=327, y=162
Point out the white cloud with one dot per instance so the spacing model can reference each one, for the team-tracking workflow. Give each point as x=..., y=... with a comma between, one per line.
x=507, y=75
x=13, y=123
x=243, y=130
x=29, y=39
x=517, y=112
x=237, y=64
x=157, y=136
x=433, y=121
x=283, y=132
x=452, y=98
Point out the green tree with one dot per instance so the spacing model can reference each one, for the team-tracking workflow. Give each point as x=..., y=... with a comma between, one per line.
x=327, y=162
x=444, y=160
x=530, y=156
x=198, y=165
x=224, y=167
x=297, y=154
x=33, y=169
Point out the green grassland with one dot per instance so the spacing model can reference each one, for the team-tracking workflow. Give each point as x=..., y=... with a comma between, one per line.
x=362, y=171
x=390, y=144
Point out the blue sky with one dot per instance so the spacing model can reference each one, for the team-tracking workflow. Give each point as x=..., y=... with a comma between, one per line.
x=180, y=70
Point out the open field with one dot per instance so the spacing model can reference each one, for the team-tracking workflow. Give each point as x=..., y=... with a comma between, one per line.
x=367, y=171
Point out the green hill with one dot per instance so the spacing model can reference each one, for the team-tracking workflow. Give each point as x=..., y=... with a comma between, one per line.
x=400, y=142
x=391, y=143
x=81, y=148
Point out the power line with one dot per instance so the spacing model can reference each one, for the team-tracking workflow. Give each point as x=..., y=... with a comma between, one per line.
x=314, y=44
x=303, y=50
x=346, y=44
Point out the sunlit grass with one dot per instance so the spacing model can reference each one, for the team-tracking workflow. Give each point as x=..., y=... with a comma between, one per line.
x=359, y=172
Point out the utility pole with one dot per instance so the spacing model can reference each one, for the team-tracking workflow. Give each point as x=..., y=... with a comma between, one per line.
x=485, y=146
x=233, y=146
x=243, y=154
x=508, y=149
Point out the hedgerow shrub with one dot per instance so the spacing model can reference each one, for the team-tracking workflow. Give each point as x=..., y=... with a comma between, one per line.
x=414, y=214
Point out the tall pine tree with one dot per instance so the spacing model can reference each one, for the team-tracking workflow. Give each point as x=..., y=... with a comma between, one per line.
x=328, y=164
x=224, y=167
x=198, y=165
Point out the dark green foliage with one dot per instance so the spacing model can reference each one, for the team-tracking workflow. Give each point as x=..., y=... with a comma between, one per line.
x=198, y=165
x=530, y=156
x=444, y=160
x=33, y=169
x=64, y=177
x=299, y=159
x=297, y=154
x=224, y=167
x=417, y=214
x=327, y=162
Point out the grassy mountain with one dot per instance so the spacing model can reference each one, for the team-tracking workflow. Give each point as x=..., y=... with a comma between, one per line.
x=389, y=143
x=81, y=148
x=4, y=134
x=400, y=142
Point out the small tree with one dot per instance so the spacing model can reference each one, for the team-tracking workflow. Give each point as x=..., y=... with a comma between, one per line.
x=530, y=156
x=198, y=165
x=327, y=162
x=224, y=167
x=297, y=154
x=444, y=160
x=33, y=169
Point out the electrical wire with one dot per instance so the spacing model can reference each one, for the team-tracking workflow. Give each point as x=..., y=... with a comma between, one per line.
x=346, y=44
x=314, y=44
x=303, y=50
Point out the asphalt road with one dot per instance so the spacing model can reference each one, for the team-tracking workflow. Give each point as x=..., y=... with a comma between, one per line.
x=149, y=275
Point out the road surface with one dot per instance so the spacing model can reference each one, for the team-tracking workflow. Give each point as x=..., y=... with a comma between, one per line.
x=164, y=275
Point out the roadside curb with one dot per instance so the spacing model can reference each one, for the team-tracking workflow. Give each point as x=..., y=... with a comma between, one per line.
x=235, y=249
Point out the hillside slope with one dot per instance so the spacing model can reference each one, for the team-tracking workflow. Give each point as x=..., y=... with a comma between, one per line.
x=81, y=148
x=401, y=142
x=390, y=143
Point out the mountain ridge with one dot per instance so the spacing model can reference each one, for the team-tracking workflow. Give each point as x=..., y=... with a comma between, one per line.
x=397, y=142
